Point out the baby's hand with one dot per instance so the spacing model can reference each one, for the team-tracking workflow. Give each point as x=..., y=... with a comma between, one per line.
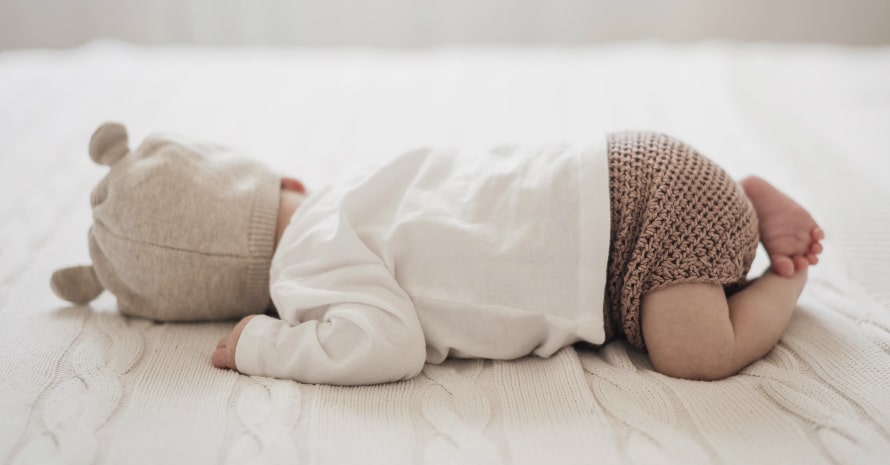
x=224, y=355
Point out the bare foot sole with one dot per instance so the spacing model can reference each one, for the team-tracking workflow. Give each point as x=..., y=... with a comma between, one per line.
x=789, y=234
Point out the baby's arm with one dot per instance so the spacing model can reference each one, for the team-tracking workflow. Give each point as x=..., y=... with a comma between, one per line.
x=349, y=343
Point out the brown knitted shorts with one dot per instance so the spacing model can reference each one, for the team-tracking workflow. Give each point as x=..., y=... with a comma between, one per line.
x=677, y=217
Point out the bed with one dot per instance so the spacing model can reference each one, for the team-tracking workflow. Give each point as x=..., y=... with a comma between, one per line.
x=82, y=384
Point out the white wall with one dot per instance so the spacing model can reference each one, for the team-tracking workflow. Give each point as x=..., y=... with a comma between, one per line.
x=409, y=23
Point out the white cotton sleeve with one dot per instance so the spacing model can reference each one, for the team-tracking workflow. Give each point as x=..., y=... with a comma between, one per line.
x=349, y=344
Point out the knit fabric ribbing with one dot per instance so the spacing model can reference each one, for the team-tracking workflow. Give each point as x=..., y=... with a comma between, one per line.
x=676, y=217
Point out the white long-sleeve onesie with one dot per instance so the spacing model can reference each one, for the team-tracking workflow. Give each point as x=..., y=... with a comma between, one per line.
x=437, y=254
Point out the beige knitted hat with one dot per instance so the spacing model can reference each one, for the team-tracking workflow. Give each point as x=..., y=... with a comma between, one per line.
x=181, y=231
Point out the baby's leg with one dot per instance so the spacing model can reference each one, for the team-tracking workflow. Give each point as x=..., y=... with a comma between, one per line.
x=788, y=232
x=693, y=331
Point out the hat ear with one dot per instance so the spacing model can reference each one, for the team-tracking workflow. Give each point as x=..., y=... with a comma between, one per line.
x=78, y=284
x=109, y=144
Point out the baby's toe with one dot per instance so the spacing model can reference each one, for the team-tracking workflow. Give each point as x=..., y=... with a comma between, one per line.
x=816, y=248
x=818, y=234
x=801, y=263
x=782, y=265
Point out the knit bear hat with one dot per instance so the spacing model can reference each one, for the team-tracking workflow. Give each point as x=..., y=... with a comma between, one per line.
x=181, y=231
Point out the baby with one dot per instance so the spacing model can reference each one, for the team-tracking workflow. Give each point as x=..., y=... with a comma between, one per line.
x=496, y=255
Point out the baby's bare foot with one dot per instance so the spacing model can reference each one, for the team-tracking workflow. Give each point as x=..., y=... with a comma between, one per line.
x=789, y=234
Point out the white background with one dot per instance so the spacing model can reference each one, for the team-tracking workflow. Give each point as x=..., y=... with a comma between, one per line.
x=413, y=23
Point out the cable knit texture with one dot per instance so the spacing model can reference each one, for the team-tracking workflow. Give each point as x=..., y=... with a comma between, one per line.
x=677, y=217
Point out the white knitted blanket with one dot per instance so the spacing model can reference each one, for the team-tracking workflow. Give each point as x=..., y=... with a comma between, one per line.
x=85, y=385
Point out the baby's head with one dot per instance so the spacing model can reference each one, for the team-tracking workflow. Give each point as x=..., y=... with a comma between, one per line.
x=181, y=231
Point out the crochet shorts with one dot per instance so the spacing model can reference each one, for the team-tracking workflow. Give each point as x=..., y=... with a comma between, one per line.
x=677, y=218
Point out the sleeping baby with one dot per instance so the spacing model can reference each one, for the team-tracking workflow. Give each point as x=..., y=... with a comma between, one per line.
x=439, y=254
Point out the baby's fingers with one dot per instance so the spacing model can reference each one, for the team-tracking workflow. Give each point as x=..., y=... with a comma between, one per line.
x=220, y=358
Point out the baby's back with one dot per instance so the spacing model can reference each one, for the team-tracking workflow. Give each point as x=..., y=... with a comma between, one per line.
x=502, y=253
